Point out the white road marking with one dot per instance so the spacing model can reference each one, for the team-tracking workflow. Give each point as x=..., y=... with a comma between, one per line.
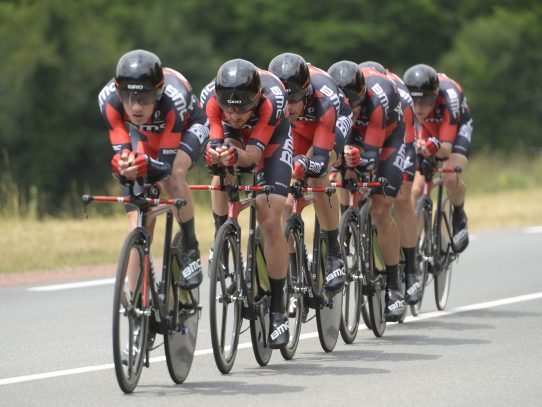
x=532, y=229
x=69, y=286
x=311, y=335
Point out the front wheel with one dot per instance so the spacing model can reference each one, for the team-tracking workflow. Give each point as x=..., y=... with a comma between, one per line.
x=130, y=322
x=423, y=249
x=376, y=279
x=294, y=284
x=443, y=273
x=353, y=298
x=180, y=341
x=225, y=297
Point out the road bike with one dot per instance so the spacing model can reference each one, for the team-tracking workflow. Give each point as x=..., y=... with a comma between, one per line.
x=237, y=290
x=144, y=305
x=364, y=292
x=434, y=253
x=306, y=277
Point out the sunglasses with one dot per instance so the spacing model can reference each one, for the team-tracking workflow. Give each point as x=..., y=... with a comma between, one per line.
x=146, y=97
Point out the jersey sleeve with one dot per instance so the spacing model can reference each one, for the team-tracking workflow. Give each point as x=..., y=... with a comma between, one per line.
x=267, y=124
x=214, y=114
x=376, y=129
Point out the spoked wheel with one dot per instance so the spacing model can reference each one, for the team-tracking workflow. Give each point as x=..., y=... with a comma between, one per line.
x=376, y=281
x=443, y=271
x=225, y=297
x=259, y=327
x=353, y=297
x=130, y=324
x=423, y=250
x=180, y=341
x=294, y=297
x=328, y=316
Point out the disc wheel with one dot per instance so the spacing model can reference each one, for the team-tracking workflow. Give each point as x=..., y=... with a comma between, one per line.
x=180, y=341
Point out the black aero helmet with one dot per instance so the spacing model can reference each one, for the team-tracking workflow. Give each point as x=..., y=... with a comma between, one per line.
x=373, y=64
x=139, y=73
x=237, y=85
x=350, y=79
x=422, y=82
x=293, y=71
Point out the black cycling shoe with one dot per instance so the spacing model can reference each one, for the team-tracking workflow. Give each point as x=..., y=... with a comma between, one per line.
x=460, y=239
x=395, y=306
x=413, y=289
x=335, y=275
x=191, y=275
x=279, y=333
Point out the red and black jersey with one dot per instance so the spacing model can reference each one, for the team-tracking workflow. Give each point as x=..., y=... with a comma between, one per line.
x=450, y=112
x=381, y=111
x=407, y=106
x=176, y=110
x=323, y=112
x=266, y=117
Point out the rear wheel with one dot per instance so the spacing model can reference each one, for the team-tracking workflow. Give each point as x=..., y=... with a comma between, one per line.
x=353, y=297
x=443, y=273
x=328, y=315
x=225, y=297
x=259, y=327
x=130, y=324
x=294, y=282
x=376, y=280
x=180, y=341
x=423, y=250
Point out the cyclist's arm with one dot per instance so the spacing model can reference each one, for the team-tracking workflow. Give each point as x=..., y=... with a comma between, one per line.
x=160, y=167
x=118, y=133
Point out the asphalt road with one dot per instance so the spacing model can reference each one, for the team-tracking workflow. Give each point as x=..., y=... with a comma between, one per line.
x=484, y=349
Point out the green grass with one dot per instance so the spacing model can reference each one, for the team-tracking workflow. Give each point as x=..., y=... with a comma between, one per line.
x=502, y=192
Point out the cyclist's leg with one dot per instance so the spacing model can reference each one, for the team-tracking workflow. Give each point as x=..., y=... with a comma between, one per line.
x=327, y=212
x=391, y=168
x=176, y=187
x=456, y=187
x=406, y=220
x=275, y=170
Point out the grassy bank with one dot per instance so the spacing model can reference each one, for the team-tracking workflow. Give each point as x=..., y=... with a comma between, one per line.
x=502, y=192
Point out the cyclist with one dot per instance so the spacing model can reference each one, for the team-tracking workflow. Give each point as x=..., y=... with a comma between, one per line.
x=320, y=121
x=157, y=129
x=376, y=143
x=247, y=111
x=445, y=133
x=406, y=215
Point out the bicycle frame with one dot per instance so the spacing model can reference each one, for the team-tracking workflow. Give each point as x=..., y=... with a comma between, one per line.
x=298, y=190
x=235, y=206
x=439, y=215
x=148, y=209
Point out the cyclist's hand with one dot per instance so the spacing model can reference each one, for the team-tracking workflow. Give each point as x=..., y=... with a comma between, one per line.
x=352, y=156
x=300, y=167
x=137, y=167
x=212, y=152
x=121, y=161
x=429, y=147
x=228, y=155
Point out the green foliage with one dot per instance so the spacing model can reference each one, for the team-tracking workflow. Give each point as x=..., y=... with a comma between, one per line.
x=499, y=69
x=57, y=55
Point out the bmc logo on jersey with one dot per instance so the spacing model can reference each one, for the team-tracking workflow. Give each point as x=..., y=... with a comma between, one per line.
x=178, y=100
